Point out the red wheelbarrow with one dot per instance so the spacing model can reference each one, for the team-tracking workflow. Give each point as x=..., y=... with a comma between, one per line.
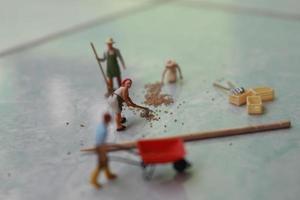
x=160, y=151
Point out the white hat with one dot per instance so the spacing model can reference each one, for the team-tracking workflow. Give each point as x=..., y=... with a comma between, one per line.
x=110, y=41
x=170, y=63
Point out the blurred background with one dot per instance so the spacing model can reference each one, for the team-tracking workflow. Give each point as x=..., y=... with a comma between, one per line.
x=51, y=95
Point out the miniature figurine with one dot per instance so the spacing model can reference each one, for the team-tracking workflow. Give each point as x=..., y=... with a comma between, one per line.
x=112, y=64
x=117, y=99
x=101, y=135
x=171, y=71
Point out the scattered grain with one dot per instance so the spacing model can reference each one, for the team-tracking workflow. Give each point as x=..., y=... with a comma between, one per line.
x=154, y=97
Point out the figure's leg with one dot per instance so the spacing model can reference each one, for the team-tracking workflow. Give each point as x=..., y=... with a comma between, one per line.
x=118, y=120
x=94, y=177
x=120, y=104
x=119, y=80
x=120, y=127
x=110, y=84
x=109, y=174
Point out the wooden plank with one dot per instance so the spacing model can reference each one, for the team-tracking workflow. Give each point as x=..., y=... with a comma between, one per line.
x=204, y=135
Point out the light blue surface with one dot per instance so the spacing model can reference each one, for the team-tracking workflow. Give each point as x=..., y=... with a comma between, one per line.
x=43, y=88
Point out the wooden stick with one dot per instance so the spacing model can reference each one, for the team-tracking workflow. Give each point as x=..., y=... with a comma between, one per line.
x=205, y=135
x=231, y=85
x=99, y=63
x=220, y=86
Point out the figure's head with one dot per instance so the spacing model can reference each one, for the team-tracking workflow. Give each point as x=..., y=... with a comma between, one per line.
x=170, y=63
x=127, y=82
x=106, y=118
x=110, y=42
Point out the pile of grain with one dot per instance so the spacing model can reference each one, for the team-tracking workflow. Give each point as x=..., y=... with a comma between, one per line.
x=153, y=96
x=148, y=115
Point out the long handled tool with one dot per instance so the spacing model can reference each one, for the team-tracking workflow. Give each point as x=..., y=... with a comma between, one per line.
x=147, y=110
x=100, y=66
x=234, y=90
x=205, y=135
x=221, y=86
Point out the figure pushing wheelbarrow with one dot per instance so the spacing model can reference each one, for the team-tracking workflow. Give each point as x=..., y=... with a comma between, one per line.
x=151, y=151
x=171, y=149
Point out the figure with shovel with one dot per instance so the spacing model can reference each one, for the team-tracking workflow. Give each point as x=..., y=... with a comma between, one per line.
x=116, y=100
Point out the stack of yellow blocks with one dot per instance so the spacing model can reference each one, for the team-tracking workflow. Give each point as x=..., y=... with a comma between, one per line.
x=253, y=97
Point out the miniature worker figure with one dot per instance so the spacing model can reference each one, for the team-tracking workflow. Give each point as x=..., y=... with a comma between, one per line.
x=171, y=72
x=112, y=65
x=117, y=99
x=101, y=135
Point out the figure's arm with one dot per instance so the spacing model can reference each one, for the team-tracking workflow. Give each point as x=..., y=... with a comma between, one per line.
x=119, y=55
x=127, y=99
x=163, y=75
x=102, y=59
x=177, y=66
x=129, y=102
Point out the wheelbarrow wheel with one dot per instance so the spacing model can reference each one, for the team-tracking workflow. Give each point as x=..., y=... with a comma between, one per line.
x=181, y=165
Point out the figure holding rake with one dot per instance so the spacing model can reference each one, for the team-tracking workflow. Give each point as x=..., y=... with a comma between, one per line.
x=111, y=56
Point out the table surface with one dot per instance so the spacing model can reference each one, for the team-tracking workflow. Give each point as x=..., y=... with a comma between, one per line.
x=49, y=76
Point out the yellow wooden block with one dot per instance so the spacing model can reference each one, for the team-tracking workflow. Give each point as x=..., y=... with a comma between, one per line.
x=254, y=105
x=266, y=93
x=239, y=99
